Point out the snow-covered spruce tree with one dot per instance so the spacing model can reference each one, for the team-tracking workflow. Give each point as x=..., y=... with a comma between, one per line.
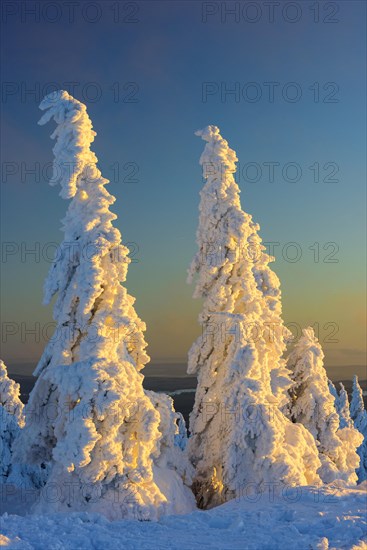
x=239, y=437
x=89, y=419
x=313, y=406
x=342, y=408
x=181, y=437
x=341, y=404
x=11, y=419
x=356, y=402
x=359, y=417
x=333, y=392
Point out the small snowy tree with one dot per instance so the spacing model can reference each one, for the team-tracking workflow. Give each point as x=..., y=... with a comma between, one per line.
x=341, y=404
x=356, y=403
x=333, y=391
x=359, y=417
x=11, y=419
x=89, y=419
x=181, y=437
x=313, y=406
x=342, y=408
x=239, y=436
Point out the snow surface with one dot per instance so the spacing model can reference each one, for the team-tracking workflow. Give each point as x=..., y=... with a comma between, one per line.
x=296, y=518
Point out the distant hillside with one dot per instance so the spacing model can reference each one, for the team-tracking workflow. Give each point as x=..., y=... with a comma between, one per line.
x=183, y=401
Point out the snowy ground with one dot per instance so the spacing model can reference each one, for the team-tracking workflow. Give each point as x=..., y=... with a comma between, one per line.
x=304, y=518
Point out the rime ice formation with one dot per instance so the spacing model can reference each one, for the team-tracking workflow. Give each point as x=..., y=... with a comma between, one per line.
x=345, y=420
x=107, y=444
x=341, y=403
x=359, y=417
x=313, y=406
x=333, y=391
x=239, y=436
x=11, y=419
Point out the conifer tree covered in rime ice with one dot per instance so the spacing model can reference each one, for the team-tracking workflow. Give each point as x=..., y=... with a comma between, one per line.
x=341, y=404
x=356, y=402
x=89, y=419
x=359, y=417
x=11, y=419
x=239, y=436
x=342, y=408
x=333, y=392
x=313, y=405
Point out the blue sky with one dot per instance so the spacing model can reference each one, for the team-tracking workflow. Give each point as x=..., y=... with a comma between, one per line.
x=166, y=60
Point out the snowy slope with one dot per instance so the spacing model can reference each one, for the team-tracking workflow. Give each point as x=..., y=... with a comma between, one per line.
x=303, y=518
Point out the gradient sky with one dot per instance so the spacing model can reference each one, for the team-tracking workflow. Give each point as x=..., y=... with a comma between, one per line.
x=169, y=53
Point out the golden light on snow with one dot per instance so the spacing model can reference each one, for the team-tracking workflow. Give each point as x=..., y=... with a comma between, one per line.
x=109, y=321
x=4, y=541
